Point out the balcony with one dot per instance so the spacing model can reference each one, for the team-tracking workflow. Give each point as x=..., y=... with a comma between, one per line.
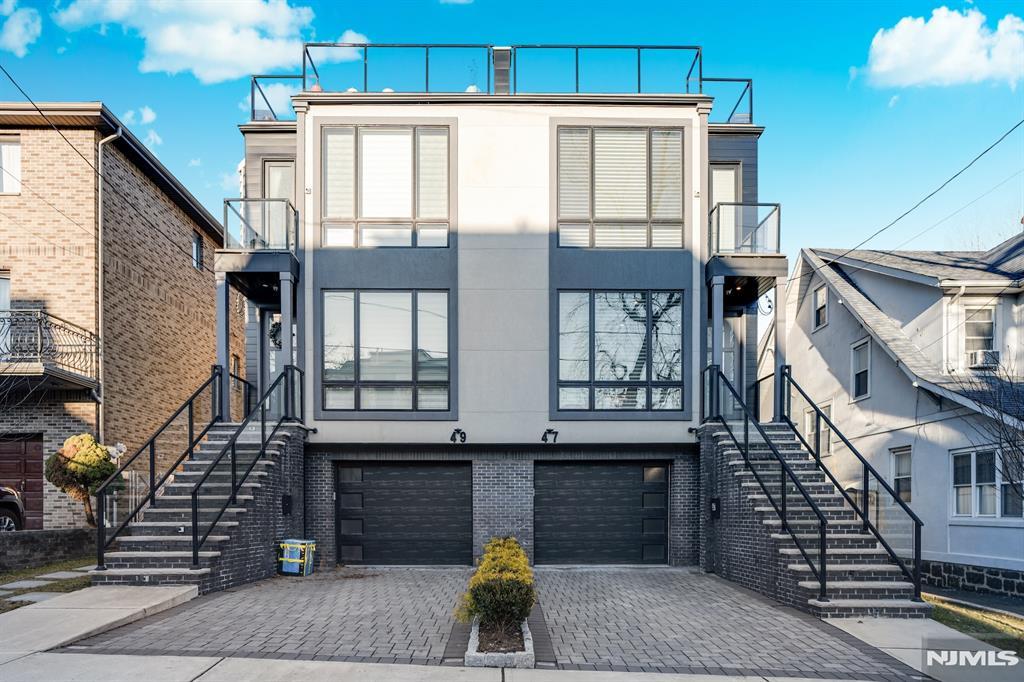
x=515, y=70
x=260, y=241
x=744, y=248
x=38, y=346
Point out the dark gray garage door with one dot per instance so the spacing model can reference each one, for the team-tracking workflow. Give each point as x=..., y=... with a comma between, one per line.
x=405, y=513
x=601, y=512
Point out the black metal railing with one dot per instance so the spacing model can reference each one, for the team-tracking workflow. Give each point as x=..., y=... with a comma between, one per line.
x=181, y=434
x=873, y=484
x=276, y=406
x=248, y=390
x=524, y=69
x=35, y=336
x=713, y=381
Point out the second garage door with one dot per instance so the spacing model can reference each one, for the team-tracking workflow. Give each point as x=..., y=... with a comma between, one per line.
x=601, y=512
x=403, y=513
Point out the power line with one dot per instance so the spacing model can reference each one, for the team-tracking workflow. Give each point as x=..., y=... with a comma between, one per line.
x=919, y=203
x=95, y=170
x=65, y=249
x=39, y=196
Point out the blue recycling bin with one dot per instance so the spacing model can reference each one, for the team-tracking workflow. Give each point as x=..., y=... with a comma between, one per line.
x=295, y=557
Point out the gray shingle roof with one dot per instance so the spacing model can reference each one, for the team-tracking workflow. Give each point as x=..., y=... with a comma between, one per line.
x=943, y=265
x=991, y=391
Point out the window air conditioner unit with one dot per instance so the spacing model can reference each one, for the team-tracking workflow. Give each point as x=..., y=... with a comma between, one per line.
x=983, y=359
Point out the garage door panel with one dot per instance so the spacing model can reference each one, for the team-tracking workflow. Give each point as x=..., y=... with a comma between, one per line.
x=21, y=468
x=405, y=513
x=601, y=512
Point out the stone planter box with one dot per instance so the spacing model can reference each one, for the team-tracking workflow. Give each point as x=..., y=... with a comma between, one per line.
x=512, y=659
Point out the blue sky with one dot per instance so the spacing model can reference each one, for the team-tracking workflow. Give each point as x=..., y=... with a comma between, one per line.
x=859, y=125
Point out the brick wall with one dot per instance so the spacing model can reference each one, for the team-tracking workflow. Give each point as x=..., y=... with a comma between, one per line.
x=31, y=548
x=973, y=578
x=502, y=502
x=684, y=511
x=319, y=502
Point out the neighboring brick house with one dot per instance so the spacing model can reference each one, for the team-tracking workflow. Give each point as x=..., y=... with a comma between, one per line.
x=157, y=305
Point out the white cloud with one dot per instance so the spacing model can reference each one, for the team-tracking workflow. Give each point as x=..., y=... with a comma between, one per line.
x=21, y=27
x=330, y=55
x=949, y=48
x=194, y=163
x=152, y=139
x=215, y=41
x=278, y=95
x=893, y=100
x=144, y=116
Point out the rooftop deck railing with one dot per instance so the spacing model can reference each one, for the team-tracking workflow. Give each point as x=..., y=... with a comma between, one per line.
x=260, y=224
x=744, y=228
x=520, y=70
x=37, y=337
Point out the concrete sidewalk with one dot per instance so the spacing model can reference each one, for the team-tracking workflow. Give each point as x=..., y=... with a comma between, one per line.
x=70, y=667
x=72, y=616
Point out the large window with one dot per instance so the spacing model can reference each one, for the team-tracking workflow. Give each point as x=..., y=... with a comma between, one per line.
x=620, y=350
x=620, y=187
x=820, y=307
x=385, y=186
x=385, y=350
x=10, y=164
x=981, y=487
x=980, y=335
x=860, y=369
x=901, y=477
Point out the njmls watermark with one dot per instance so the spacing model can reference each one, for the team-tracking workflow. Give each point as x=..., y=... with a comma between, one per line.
x=970, y=661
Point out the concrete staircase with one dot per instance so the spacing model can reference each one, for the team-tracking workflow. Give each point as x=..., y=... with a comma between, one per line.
x=862, y=578
x=156, y=548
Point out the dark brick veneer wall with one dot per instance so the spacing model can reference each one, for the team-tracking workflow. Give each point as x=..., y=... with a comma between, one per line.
x=973, y=578
x=252, y=552
x=28, y=548
x=503, y=489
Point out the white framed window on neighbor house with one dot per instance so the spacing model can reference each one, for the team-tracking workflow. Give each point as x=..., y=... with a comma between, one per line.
x=860, y=369
x=980, y=337
x=979, y=488
x=820, y=307
x=197, y=251
x=901, y=473
x=10, y=164
x=826, y=433
x=620, y=188
x=385, y=186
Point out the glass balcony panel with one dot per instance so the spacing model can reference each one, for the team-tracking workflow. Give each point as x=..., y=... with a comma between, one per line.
x=739, y=228
x=259, y=224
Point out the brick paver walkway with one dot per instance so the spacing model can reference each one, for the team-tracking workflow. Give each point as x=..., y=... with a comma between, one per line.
x=377, y=615
x=635, y=620
x=679, y=620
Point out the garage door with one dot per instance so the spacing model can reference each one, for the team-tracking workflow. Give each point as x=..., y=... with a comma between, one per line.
x=405, y=513
x=21, y=468
x=601, y=512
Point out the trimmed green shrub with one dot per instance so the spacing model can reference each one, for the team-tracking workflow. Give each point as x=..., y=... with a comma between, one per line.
x=501, y=592
x=78, y=469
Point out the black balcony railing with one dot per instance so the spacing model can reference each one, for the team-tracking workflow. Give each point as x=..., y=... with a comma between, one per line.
x=35, y=337
x=518, y=70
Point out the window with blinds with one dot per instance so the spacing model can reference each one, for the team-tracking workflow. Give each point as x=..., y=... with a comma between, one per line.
x=620, y=350
x=620, y=187
x=385, y=186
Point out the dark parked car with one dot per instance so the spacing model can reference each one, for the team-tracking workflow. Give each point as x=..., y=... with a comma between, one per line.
x=12, y=509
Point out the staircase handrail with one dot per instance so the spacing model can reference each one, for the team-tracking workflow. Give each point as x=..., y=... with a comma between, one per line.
x=820, y=571
x=286, y=378
x=868, y=471
x=216, y=383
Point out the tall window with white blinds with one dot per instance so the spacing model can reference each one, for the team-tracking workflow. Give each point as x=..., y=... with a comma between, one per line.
x=385, y=186
x=620, y=187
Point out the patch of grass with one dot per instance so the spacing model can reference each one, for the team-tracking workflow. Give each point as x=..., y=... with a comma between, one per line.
x=1005, y=632
x=28, y=573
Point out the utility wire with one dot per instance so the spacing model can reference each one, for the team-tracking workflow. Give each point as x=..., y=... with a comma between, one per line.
x=39, y=196
x=109, y=186
x=919, y=203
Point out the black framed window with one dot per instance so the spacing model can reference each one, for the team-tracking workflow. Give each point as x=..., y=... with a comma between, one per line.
x=197, y=251
x=620, y=350
x=385, y=350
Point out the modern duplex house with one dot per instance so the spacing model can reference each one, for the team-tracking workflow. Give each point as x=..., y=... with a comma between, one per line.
x=106, y=283
x=487, y=306
x=915, y=356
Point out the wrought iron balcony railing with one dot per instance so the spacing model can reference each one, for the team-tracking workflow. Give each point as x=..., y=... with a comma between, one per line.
x=744, y=228
x=260, y=224
x=35, y=337
x=508, y=70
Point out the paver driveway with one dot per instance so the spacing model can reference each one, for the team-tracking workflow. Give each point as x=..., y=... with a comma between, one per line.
x=644, y=619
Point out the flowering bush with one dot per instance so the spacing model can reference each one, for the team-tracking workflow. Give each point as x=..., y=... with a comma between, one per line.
x=501, y=592
x=79, y=467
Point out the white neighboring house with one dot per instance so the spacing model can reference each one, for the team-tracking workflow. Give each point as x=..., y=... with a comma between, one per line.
x=903, y=350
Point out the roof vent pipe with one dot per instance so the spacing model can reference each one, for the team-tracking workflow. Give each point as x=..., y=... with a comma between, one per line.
x=502, y=59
